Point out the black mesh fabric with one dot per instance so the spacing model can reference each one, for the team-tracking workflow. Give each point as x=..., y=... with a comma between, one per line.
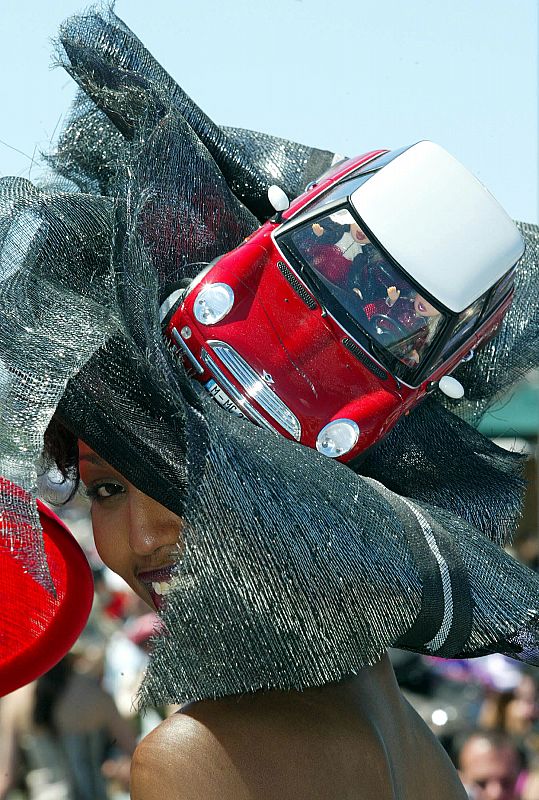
x=513, y=352
x=296, y=571
x=105, y=58
x=435, y=457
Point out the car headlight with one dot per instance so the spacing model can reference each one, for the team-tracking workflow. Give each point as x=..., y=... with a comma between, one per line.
x=337, y=438
x=213, y=303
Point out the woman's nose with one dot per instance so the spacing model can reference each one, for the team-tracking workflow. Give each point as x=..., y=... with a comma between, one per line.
x=151, y=525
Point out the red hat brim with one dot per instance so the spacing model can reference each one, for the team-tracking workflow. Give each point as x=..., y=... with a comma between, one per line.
x=36, y=628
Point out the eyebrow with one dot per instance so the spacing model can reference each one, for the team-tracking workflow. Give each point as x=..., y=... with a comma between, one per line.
x=92, y=458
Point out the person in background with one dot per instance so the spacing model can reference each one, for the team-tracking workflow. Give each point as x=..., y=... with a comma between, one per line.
x=490, y=765
x=67, y=729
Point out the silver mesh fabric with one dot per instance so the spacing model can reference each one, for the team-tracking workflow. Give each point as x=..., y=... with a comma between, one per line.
x=54, y=247
x=296, y=570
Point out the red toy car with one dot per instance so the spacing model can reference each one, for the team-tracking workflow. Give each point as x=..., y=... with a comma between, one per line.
x=340, y=313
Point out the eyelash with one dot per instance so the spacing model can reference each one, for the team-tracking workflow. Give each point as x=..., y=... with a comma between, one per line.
x=92, y=491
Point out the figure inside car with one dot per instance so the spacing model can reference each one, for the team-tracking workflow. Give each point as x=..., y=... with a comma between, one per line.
x=368, y=286
x=339, y=251
x=409, y=323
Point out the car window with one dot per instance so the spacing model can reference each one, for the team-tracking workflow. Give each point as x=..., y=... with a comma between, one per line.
x=338, y=192
x=466, y=322
x=501, y=289
x=368, y=285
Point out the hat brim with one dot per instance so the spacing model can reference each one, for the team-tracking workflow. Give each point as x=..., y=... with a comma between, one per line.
x=37, y=628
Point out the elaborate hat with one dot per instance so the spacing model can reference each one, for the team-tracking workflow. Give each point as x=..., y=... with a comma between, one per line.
x=296, y=570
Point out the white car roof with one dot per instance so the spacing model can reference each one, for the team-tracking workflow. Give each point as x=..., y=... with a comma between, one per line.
x=440, y=224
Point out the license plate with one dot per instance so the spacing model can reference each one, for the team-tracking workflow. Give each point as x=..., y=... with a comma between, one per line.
x=222, y=398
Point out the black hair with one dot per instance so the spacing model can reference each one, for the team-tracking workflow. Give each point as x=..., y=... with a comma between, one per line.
x=60, y=449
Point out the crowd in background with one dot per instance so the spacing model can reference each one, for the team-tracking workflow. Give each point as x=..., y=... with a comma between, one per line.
x=70, y=735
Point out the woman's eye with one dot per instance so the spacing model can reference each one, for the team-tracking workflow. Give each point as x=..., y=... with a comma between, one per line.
x=101, y=491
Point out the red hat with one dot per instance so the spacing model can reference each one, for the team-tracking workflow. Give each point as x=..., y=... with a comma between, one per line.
x=36, y=627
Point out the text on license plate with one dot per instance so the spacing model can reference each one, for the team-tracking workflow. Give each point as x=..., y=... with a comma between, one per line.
x=222, y=398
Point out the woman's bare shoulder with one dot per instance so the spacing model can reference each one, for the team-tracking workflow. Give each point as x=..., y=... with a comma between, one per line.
x=315, y=744
x=182, y=758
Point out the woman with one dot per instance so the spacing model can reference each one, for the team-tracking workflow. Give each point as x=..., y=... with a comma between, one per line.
x=281, y=577
x=356, y=738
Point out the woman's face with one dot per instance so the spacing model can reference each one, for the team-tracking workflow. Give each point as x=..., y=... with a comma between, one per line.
x=357, y=234
x=423, y=308
x=136, y=536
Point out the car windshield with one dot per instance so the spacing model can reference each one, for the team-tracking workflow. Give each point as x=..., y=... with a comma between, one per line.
x=368, y=286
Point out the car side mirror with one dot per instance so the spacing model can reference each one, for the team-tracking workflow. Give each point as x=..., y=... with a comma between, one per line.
x=451, y=387
x=278, y=200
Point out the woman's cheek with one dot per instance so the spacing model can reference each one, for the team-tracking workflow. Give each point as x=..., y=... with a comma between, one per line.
x=105, y=539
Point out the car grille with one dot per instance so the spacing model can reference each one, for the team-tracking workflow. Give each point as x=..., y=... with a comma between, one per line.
x=255, y=387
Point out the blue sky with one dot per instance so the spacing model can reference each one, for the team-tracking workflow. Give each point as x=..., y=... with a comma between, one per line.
x=349, y=77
